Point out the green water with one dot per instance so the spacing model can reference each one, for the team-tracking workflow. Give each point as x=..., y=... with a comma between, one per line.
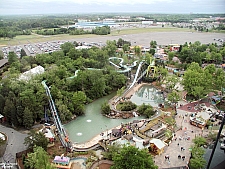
x=149, y=95
x=85, y=127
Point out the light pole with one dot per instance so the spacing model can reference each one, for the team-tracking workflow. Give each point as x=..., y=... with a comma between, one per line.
x=106, y=131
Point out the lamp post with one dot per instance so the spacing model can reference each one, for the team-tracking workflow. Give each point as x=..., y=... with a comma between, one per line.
x=106, y=131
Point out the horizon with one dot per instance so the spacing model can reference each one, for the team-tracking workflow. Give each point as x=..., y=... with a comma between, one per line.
x=50, y=7
x=107, y=13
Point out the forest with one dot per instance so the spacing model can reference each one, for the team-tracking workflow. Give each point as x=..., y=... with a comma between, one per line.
x=24, y=102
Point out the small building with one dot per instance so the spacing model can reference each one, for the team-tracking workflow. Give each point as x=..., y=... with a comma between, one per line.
x=174, y=47
x=62, y=162
x=157, y=146
x=200, y=119
x=129, y=137
x=48, y=134
x=145, y=22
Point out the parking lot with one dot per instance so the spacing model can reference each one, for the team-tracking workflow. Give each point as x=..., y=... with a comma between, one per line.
x=143, y=39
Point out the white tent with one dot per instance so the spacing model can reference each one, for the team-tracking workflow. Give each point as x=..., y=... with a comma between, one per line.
x=32, y=72
x=158, y=143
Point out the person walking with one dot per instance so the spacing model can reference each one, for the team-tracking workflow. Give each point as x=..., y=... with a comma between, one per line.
x=183, y=157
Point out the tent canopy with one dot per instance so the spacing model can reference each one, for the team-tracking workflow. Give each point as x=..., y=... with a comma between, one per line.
x=158, y=143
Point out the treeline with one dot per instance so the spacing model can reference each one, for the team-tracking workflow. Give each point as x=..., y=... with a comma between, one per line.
x=23, y=103
x=11, y=32
x=11, y=27
x=74, y=31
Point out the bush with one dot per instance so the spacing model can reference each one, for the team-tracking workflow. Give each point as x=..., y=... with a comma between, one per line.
x=127, y=106
x=105, y=108
x=146, y=110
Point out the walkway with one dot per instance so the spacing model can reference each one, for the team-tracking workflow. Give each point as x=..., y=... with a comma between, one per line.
x=94, y=141
x=173, y=150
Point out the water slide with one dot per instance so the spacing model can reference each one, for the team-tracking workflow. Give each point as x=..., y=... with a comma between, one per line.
x=128, y=68
x=136, y=75
x=121, y=65
x=76, y=72
x=62, y=133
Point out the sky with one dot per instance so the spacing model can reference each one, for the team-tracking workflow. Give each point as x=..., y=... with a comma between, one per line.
x=15, y=7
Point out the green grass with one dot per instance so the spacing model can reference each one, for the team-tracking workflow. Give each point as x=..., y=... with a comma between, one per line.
x=34, y=38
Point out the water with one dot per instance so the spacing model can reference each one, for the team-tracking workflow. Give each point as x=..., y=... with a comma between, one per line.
x=148, y=95
x=85, y=127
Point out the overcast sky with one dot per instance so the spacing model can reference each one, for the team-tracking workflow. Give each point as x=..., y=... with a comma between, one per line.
x=8, y=7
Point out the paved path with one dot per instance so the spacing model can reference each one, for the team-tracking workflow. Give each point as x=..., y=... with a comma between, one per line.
x=15, y=144
x=173, y=150
x=94, y=141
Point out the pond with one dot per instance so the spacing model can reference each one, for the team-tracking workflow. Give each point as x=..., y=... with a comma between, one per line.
x=85, y=127
x=148, y=95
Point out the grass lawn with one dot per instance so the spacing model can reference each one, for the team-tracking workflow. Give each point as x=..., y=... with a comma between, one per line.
x=34, y=38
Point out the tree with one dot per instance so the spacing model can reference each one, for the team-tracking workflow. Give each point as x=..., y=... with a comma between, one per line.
x=137, y=50
x=173, y=97
x=79, y=99
x=132, y=157
x=110, y=48
x=197, y=163
x=23, y=53
x=170, y=56
x=125, y=47
x=105, y=108
x=153, y=44
x=120, y=91
x=197, y=152
x=171, y=82
x=2, y=103
x=38, y=159
x=196, y=82
x=66, y=47
x=152, y=51
x=12, y=58
x=112, y=150
x=9, y=111
x=199, y=141
x=1, y=55
x=36, y=139
x=146, y=110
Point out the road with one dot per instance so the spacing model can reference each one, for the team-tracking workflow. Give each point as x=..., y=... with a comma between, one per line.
x=15, y=144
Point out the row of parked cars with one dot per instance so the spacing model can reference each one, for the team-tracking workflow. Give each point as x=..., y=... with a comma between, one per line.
x=45, y=47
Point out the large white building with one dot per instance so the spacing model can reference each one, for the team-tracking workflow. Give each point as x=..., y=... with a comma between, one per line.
x=146, y=22
x=31, y=73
